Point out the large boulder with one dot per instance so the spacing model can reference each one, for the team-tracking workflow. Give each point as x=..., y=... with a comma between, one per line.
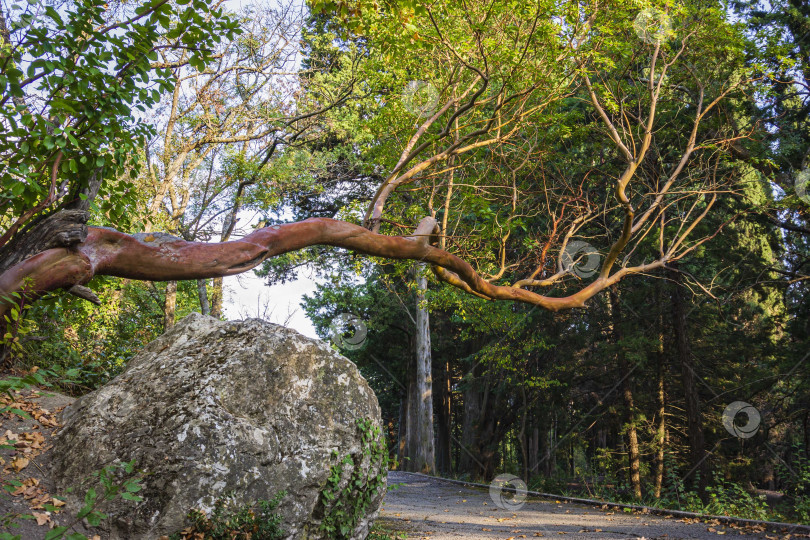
x=248, y=408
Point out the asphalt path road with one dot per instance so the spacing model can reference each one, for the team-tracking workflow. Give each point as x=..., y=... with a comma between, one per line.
x=424, y=507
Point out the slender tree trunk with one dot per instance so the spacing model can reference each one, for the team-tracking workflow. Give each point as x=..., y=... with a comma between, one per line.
x=550, y=454
x=534, y=451
x=202, y=291
x=524, y=444
x=216, y=293
x=443, y=461
x=661, y=432
x=216, y=298
x=412, y=442
x=571, y=467
x=425, y=454
x=633, y=454
x=485, y=437
x=169, y=305
x=402, y=435
x=469, y=428
x=683, y=351
x=488, y=445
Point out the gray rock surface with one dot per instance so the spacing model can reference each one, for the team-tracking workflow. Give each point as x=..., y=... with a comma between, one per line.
x=214, y=407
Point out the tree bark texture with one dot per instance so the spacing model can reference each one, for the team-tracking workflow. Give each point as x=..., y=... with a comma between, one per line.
x=216, y=298
x=202, y=292
x=443, y=403
x=661, y=432
x=424, y=457
x=633, y=454
x=170, y=305
x=72, y=260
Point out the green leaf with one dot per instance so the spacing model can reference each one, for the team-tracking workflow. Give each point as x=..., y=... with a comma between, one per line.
x=95, y=518
x=133, y=487
x=56, y=532
x=90, y=497
x=85, y=510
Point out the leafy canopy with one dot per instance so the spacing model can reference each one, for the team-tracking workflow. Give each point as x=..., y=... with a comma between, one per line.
x=72, y=84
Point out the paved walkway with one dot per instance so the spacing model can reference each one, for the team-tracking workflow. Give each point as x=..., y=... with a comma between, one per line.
x=425, y=507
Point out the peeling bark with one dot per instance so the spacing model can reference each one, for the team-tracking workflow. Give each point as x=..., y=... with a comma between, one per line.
x=63, y=229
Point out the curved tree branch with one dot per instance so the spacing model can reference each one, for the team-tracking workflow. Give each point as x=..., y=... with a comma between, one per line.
x=162, y=257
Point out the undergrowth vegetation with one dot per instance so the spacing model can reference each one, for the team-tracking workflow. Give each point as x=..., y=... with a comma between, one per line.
x=229, y=521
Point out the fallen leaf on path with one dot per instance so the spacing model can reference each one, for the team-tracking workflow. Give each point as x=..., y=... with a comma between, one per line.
x=42, y=518
x=20, y=463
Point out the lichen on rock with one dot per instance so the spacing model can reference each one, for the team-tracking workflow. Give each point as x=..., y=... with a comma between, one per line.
x=215, y=407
